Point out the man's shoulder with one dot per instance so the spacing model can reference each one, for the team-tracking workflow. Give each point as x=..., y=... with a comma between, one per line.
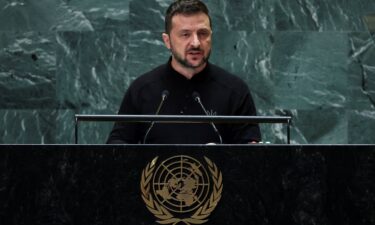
x=149, y=78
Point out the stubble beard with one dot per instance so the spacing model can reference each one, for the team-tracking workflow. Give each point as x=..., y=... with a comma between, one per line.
x=185, y=63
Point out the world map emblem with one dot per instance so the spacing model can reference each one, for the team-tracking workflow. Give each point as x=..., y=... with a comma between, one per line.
x=181, y=190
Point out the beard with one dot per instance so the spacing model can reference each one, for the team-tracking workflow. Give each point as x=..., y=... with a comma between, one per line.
x=184, y=62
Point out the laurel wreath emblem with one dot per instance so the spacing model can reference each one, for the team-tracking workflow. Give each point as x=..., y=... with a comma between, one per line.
x=200, y=216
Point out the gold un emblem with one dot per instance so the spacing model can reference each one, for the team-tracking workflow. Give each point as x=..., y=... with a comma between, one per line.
x=180, y=190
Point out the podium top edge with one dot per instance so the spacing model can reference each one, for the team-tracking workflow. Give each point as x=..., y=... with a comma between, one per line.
x=183, y=118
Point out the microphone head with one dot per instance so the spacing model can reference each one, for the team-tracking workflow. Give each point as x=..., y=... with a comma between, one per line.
x=196, y=96
x=164, y=94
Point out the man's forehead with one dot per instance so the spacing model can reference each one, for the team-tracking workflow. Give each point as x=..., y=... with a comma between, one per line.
x=197, y=20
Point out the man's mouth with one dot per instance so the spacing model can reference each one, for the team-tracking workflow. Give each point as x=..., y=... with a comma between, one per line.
x=195, y=53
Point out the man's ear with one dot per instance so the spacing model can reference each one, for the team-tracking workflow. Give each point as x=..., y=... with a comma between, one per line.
x=166, y=40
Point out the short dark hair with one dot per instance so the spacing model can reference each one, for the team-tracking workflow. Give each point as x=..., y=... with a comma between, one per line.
x=185, y=7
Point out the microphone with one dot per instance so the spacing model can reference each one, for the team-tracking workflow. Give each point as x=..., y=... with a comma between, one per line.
x=164, y=95
x=197, y=98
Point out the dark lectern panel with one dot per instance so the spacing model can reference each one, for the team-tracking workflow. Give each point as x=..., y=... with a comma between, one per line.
x=100, y=184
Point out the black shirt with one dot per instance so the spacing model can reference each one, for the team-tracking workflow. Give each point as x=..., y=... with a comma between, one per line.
x=221, y=94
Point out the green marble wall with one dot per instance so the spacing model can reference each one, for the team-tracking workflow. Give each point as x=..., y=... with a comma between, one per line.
x=313, y=60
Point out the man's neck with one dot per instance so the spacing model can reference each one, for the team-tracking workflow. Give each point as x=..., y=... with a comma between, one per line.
x=188, y=73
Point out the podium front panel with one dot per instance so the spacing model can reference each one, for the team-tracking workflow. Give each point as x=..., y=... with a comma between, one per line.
x=187, y=184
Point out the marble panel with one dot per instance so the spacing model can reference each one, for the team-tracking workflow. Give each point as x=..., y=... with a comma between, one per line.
x=324, y=126
x=370, y=23
x=256, y=15
x=362, y=127
x=277, y=133
x=65, y=126
x=27, y=126
x=92, y=69
x=146, y=51
x=369, y=20
x=89, y=132
x=304, y=58
x=310, y=70
x=148, y=14
x=27, y=70
x=322, y=15
x=320, y=126
x=247, y=55
x=24, y=15
x=233, y=15
x=362, y=72
x=87, y=15
x=288, y=70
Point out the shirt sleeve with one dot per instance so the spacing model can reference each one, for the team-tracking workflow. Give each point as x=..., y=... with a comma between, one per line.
x=244, y=106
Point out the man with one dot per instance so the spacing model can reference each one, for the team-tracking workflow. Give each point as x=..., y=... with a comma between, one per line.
x=178, y=88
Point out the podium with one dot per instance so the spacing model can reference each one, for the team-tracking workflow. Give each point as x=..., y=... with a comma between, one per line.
x=221, y=184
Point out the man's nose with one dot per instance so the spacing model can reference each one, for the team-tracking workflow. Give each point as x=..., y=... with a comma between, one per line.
x=195, y=42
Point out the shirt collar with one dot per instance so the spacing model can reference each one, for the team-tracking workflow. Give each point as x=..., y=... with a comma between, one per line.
x=173, y=74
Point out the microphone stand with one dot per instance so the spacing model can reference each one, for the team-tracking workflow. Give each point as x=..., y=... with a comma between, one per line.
x=198, y=99
x=164, y=96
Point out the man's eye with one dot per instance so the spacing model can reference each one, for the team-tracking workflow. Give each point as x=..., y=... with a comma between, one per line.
x=184, y=34
x=203, y=34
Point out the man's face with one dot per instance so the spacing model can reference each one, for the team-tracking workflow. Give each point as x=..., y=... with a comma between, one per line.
x=189, y=40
